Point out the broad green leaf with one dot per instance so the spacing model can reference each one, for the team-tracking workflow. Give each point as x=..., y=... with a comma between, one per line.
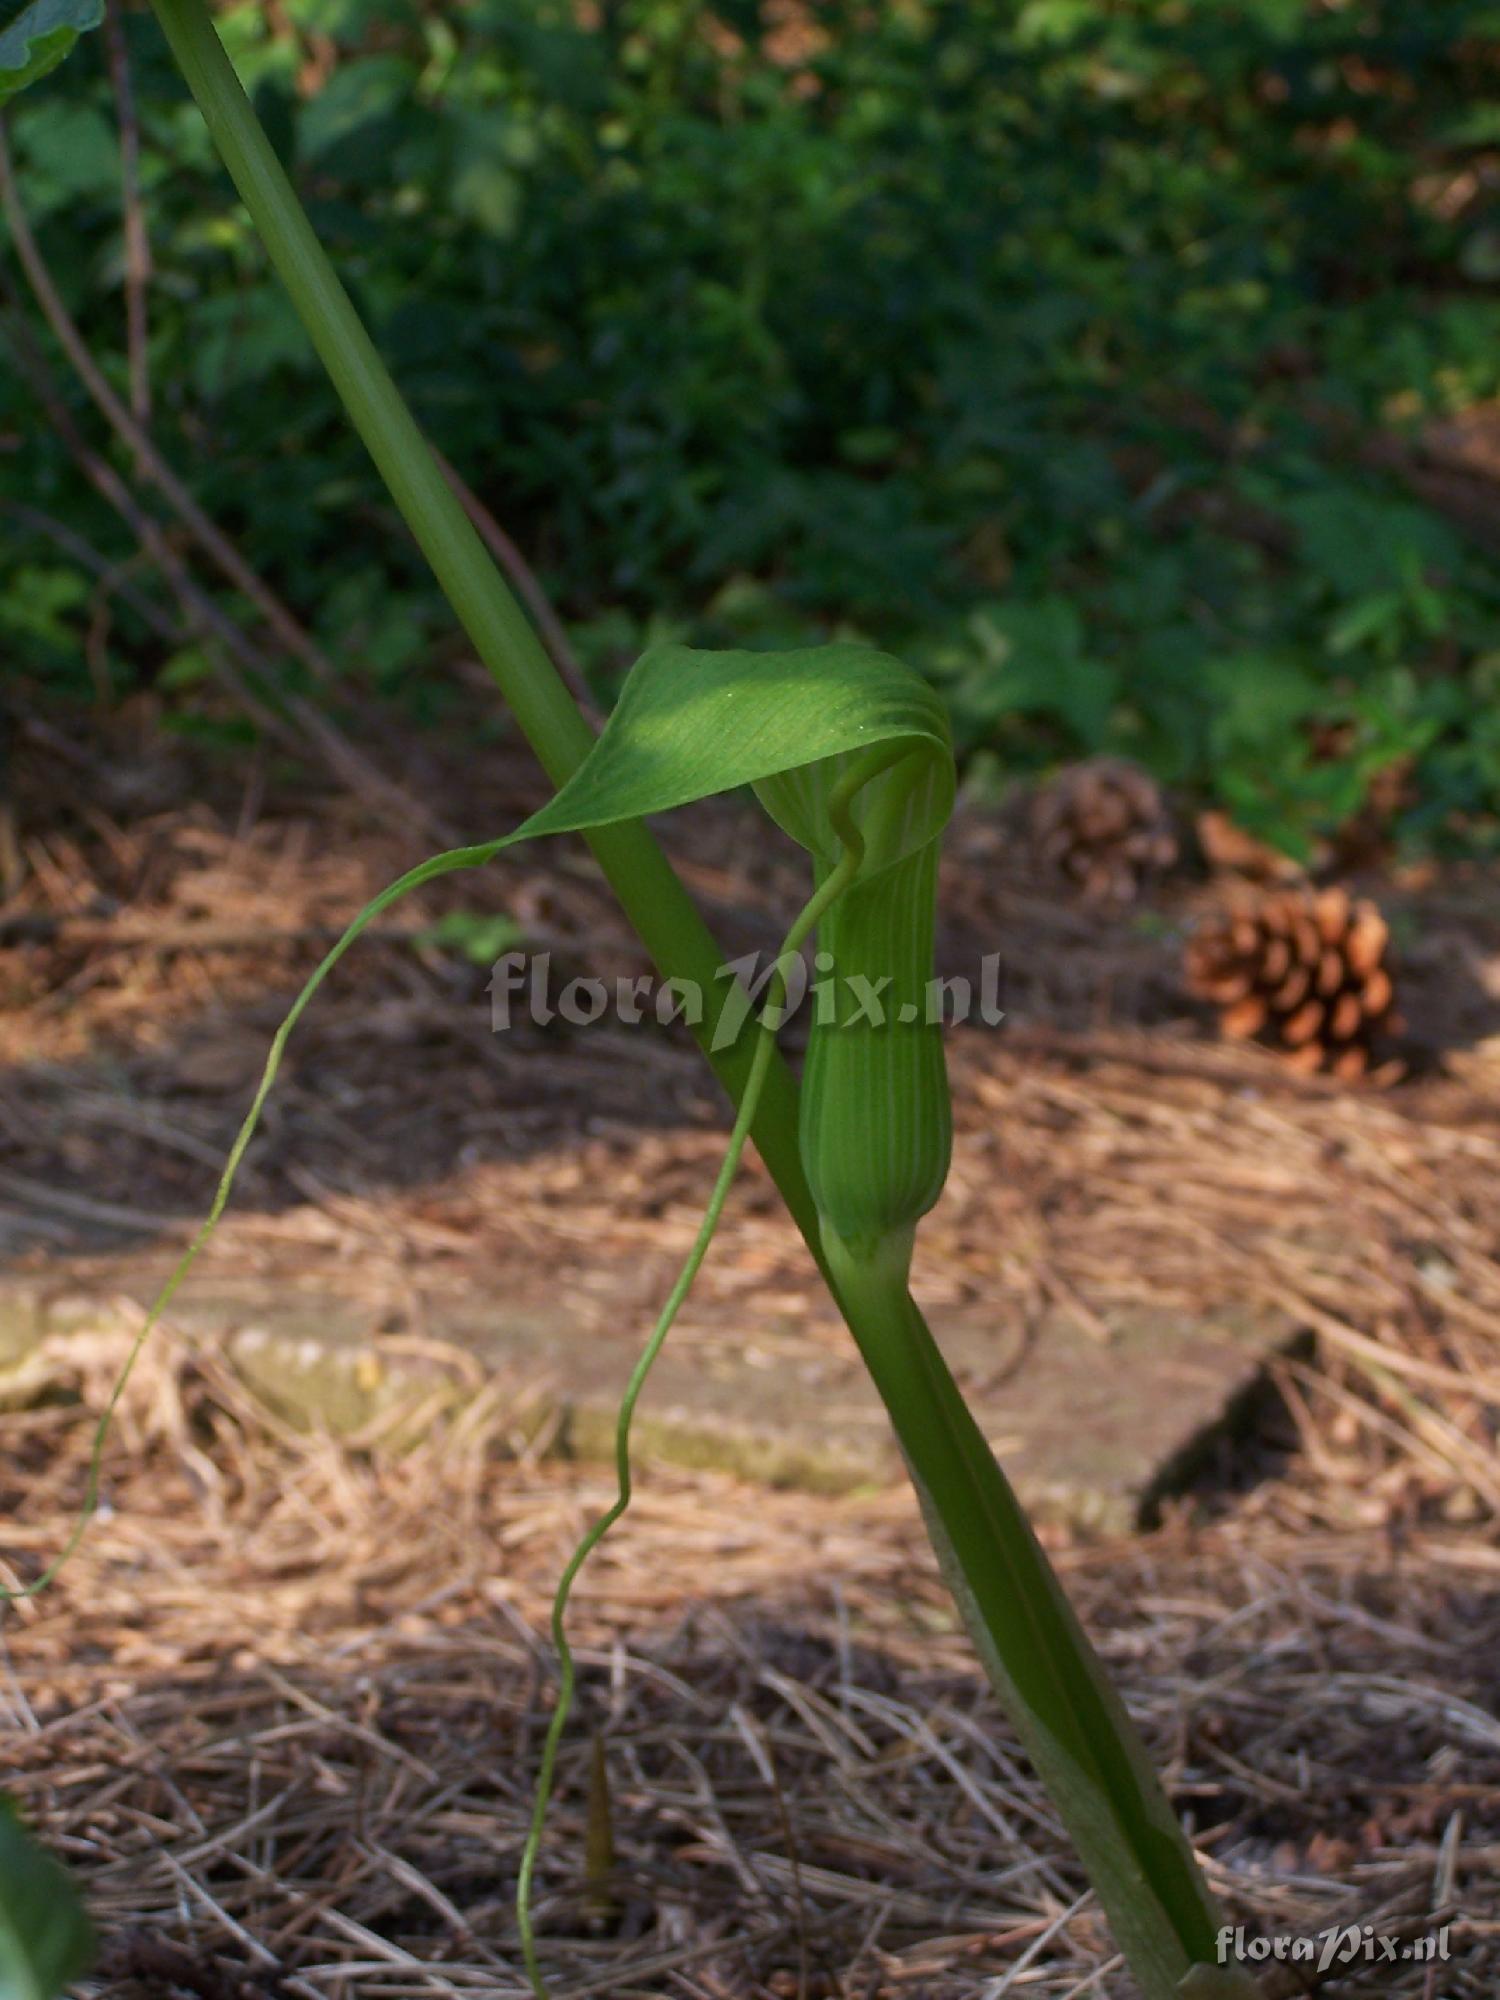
x=1044, y=21
x=690, y=724
x=45, y=1939
x=241, y=338
x=359, y=92
x=485, y=184
x=1031, y=661
x=1359, y=543
x=70, y=152
x=37, y=36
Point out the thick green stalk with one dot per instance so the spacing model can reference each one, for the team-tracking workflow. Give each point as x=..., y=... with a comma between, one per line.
x=1073, y=1725
x=658, y=906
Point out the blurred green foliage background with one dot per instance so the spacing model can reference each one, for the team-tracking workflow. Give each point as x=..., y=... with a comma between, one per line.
x=1088, y=352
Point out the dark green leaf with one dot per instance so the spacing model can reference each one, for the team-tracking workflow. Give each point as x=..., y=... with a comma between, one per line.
x=36, y=37
x=45, y=1938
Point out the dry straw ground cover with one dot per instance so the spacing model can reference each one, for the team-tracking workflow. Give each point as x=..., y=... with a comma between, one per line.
x=283, y=1713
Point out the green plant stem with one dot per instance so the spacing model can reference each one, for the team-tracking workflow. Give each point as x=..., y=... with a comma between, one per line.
x=624, y=1489
x=1059, y=1699
x=658, y=906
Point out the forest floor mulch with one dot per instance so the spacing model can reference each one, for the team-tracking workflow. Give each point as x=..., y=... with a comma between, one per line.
x=283, y=1711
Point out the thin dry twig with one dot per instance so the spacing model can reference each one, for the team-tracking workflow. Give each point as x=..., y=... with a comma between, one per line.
x=349, y=764
x=290, y=633
x=232, y=652
x=527, y=587
x=133, y=215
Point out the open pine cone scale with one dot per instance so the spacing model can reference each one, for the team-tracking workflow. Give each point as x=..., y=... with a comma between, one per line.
x=1305, y=973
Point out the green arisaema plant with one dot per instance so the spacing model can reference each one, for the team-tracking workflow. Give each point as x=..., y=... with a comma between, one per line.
x=849, y=751
x=867, y=1155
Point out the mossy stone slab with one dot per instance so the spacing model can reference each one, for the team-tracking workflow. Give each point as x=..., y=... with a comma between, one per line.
x=1091, y=1430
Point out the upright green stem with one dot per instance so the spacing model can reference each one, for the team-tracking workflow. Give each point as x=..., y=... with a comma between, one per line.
x=658, y=906
x=1076, y=1732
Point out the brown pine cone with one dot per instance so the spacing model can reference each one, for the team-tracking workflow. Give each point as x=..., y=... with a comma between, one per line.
x=1305, y=973
x=1104, y=828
